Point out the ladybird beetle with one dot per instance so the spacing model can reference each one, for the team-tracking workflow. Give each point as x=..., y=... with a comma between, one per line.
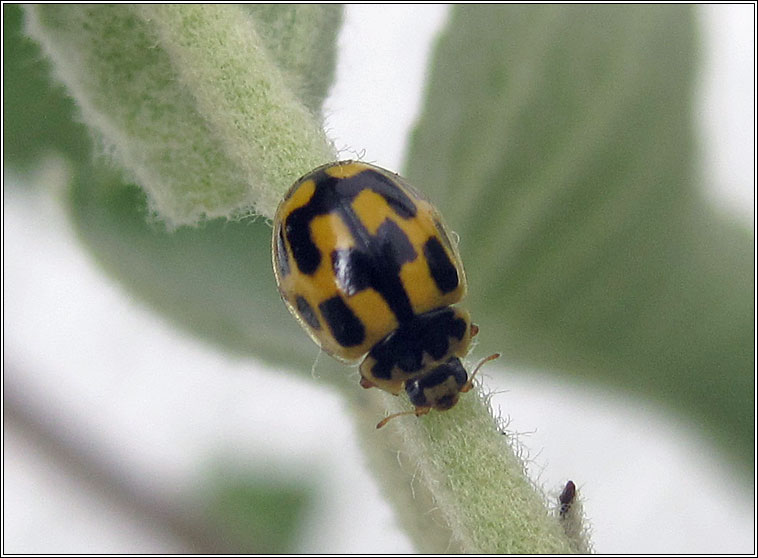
x=365, y=263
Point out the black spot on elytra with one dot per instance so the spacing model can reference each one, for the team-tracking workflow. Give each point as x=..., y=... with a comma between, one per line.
x=405, y=347
x=345, y=326
x=307, y=312
x=306, y=254
x=374, y=261
x=352, y=270
x=377, y=264
x=442, y=269
x=336, y=195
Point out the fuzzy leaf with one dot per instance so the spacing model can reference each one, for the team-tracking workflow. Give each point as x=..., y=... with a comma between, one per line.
x=560, y=143
x=37, y=116
x=189, y=100
x=303, y=40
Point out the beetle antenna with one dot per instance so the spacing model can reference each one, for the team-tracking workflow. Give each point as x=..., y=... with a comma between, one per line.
x=418, y=412
x=470, y=383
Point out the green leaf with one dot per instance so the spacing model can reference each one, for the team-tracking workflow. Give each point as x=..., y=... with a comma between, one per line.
x=190, y=101
x=303, y=39
x=256, y=514
x=559, y=141
x=37, y=116
x=214, y=281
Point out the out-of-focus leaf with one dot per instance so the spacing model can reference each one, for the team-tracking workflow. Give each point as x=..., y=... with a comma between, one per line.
x=215, y=280
x=559, y=142
x=256, y=515
x=37, y=115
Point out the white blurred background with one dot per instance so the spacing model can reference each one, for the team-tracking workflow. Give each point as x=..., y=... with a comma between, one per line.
x=154, y=405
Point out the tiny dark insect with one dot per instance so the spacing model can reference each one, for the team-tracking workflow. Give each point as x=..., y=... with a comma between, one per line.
x=567, y=498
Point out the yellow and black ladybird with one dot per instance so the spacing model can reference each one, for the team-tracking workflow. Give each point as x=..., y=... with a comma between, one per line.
x=365, y=263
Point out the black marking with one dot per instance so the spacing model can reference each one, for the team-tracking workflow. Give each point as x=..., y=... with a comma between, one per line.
x=439, y=375
x=378, y=268
x=452, y=368
x=307, y=312
x=345, y=326
x=336, y=195
x=280, y=253
x=352, y=270
x=375, y=260
x=405, y=347
x=305, y=252
x=442, y=269
x=416, y=394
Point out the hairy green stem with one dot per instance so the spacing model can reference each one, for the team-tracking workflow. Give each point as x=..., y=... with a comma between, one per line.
x=457, y=482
